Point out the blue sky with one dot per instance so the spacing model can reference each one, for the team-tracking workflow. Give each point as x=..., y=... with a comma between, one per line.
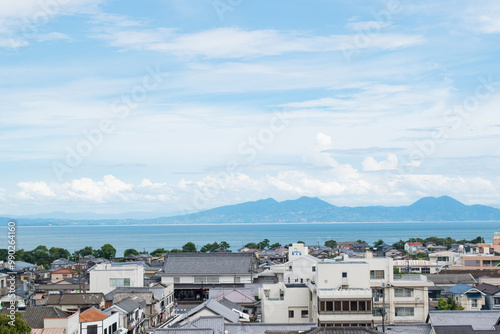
x=178, y=106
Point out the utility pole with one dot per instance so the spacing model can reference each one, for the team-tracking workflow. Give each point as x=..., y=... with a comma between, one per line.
x=383, y=307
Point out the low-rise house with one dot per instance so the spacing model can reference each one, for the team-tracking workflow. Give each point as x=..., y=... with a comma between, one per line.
x=492, y=294
x=76, y=301
x=93, y=321
x=394, y=253
x=446, y=281
x=25, y=266
x=415, y=266
x=194, y=274
x=50, y=318
x=209, y=308
x=412, y=247
x=105, y=277
x=469, y=297
x=238, y=297
x=444, y=259
x=159, y=301
x=3, y=284
x=62, y=263
x=62, y=274
x=130, y=312
x=62, y=288
x=479, y=320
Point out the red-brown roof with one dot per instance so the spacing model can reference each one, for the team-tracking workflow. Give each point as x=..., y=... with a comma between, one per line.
x=92, y=314
x=64, y=271
x=414, y=243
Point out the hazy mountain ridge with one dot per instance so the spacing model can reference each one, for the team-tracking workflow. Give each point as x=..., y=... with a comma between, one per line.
x=304, y=210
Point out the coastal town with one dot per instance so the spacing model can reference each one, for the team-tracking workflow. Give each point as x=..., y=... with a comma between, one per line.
x=416, y=286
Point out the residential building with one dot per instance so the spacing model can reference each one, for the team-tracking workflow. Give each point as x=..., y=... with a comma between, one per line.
x=412, y=247
x=159, y=301
x=444, y=259
x=479, y=320
x=76, y=301
x=3, y=284
x=415, y=266
x=130, y=313
x=446, y=281
x=62, y=274
x=93, y=321
x=62, y=263
x=349, y=293
x=492, y=295
x=209, y=308
x=44, y=317
x=469, y=297
x=478, y=262
x=194, y=274
x=105, y=277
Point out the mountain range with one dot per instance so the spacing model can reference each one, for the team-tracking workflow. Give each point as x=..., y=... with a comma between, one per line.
x=305, y=210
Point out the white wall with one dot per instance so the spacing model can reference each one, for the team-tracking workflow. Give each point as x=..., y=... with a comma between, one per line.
x=101, y=274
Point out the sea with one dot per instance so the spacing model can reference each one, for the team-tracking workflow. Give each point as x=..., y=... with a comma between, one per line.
x=150, y=237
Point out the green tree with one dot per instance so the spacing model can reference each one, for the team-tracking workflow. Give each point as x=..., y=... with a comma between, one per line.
x=16, y=326
x=263, y=244
x=331, y=243
x=448, y=304
x=57, y=253
x=3, y=254
x=359, y=241
x=189, y=248
x=40, y=255
x=159, y=252
x=251, y=245
x=275, y=245
x=224, y=245
x=210, y=247
x=399, y=245
x=301, y=242
x=87, y=250
x=176, y=250
x=130, y=251
x=107, y=251
x=378, y=243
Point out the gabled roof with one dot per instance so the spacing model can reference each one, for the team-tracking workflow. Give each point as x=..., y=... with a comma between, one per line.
x=407, y=328
x=75, y=299
x=414, y=243
x=208, y=263
x=34, y=315
x=130, y=304
x=230, y=305
x=92, y=314
x=22, y=264
x=64, y=271
x=460, y=289
x=451, y=279
x=479, y=320
x=62, y=261
x=488, y=288
x=215, y=323
x=237, y=296
x=216, y=308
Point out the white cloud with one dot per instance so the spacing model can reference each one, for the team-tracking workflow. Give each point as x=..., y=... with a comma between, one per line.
x=323, y=139
x=370, y=164
x=234, y=42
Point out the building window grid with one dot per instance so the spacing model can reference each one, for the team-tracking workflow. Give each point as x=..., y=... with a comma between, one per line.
x=377, y=274
x=405, y=311
x=403, y=292
x=345, y=306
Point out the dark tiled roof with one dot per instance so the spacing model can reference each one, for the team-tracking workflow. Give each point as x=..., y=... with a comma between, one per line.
x=34, y=315
x=208, y=263
x=130, y=305
x=216, y=308
x=488, y=288
x=263, y=328
x=407, y=328
x=75, y=299
x=343, y=330
x=451, y=279
x=479, y=320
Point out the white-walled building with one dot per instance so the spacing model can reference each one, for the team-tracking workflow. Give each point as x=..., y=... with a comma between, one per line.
x=93, y=321
x=349, y=293
x=105, y=277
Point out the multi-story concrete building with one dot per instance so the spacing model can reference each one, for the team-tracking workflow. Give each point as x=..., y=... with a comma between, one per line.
x=105, y=277
x=352, y=292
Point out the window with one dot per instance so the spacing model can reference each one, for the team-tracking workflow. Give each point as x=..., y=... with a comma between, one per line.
x=345, y=306
x=377, y=274
x=344, y=275
x=338, y=306
x=426, y=270
x=290, y=314
x=119, y=281
x=354, y=305
x=496, y=301
x=403, y=292
x=314, y=268
x=329, y=306
x=378, y=312
x=92, y=329
x=487, y=263
x=474, y=303
x=304, y=314
x=472, y=263
x=115, y=326
x=237, y=279
x=105, y=331
x=405, y=311
x=443, y=259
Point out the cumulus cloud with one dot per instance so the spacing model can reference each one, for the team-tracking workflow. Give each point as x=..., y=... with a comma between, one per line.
x=370, y=164
x=323, y=139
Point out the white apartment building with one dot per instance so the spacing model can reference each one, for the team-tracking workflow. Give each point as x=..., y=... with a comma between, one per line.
x=301, y=266
x=105, y=277
x=349, y=293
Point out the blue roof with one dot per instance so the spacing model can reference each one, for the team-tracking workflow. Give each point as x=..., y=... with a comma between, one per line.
x=22, y=264
x=460, y=288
